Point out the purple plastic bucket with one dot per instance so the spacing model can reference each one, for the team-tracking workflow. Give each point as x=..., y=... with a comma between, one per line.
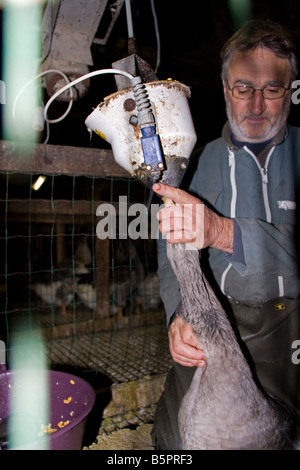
x=70, y=399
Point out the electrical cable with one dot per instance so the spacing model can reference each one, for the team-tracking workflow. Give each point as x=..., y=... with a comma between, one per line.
x=29, y=83
x=86, y=76
x=47, y=132
x=63, y=89
x=80, y=79
x=130, y=28
x=129, y=19
x=156, y=34
x=52, y=20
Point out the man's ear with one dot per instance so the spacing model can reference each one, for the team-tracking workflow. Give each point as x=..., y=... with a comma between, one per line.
x=224, y=86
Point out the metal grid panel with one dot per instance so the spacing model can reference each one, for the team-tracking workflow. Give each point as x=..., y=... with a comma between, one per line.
x=122, y=355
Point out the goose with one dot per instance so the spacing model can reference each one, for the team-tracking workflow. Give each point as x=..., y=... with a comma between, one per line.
x=56, y=289
x=224, y=407
x=126, y=275
x=148, y=293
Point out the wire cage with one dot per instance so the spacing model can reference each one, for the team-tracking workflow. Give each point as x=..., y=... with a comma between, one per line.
x=94, y=300
x=54, y=267
x=55, y=272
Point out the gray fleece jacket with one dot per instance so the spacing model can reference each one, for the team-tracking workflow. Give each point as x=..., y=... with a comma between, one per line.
x=259, y=194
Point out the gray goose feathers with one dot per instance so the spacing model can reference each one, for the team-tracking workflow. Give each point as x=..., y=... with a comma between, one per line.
x=223, y=408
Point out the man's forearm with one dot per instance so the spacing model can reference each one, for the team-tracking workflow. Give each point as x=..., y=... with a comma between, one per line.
x=218, y=232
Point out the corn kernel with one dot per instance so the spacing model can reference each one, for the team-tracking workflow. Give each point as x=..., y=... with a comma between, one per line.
x=62, y=424
x=67, y=400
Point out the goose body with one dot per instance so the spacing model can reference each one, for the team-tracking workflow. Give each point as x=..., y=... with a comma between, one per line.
x=86, y=290
x=224, y=408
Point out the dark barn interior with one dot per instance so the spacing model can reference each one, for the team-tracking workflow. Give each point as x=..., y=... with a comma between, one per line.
x=96, y=302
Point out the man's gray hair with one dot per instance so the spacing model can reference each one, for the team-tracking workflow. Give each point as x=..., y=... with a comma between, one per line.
x=261, y=33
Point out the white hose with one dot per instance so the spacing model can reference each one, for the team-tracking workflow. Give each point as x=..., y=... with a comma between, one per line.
x=34, y=78
x=63, y=89
x=80, y=79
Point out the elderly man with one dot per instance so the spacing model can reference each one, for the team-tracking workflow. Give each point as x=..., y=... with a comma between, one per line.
x=246, y=217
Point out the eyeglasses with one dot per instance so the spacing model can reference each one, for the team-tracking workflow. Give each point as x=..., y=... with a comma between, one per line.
x=269, y=92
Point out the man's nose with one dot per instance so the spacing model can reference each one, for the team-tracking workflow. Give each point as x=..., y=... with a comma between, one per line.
x=257, y=103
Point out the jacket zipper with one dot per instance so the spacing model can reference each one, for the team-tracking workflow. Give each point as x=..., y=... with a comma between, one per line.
x=268, y=211
x=231, y=161
x=231, y=158
x=264, y=177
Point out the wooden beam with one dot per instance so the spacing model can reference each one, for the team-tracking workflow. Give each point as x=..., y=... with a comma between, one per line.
x=103, y=324
x=58, y=159
x=57, y=206
x=47, y=211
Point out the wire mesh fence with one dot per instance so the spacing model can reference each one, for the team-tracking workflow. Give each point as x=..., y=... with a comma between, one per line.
x=56, y=275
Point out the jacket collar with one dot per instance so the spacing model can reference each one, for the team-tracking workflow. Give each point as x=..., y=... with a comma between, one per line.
x=279, y=137
x=226, y=134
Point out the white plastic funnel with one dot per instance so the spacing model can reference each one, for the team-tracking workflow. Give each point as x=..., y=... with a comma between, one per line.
x=115, y=120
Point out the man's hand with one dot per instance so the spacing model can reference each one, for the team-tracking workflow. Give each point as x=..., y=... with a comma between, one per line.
x=184, y=346
x=190, y=221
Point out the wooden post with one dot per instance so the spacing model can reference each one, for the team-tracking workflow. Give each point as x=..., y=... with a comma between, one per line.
x=102, y=277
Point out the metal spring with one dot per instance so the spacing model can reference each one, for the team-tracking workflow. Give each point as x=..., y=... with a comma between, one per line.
x=141, y=97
